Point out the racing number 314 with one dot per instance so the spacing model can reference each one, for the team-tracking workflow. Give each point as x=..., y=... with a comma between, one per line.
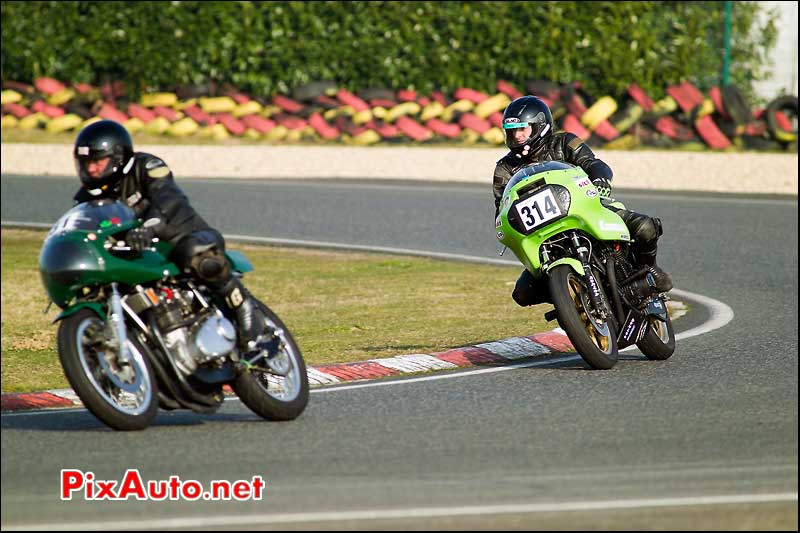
x=549, y=208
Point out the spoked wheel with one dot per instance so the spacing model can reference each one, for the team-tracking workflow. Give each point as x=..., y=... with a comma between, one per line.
x=658, y=342
x=122, y=395
x=282, y=392
x=594, y=337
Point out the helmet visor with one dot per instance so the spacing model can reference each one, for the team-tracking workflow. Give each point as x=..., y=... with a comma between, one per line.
x=94, y=168
x=518, y=133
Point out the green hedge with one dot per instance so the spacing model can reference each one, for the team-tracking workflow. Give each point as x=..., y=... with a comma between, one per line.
x=273, y=47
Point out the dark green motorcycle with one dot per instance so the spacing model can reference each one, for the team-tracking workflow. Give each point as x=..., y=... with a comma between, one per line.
x=135, y=333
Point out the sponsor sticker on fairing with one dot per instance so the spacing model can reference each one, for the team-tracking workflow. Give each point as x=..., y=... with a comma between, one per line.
x=591, y=193
x=584, y=182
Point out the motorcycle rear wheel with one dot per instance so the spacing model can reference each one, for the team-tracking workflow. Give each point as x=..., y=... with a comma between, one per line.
x=594, y=340
x=276, y=397
x=123, y=397
x=658, y=343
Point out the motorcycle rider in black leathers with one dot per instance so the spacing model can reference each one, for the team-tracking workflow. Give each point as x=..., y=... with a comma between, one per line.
x=528, y=127
x=109, y=168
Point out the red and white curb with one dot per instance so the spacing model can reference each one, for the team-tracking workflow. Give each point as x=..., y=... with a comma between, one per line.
x=491, y=353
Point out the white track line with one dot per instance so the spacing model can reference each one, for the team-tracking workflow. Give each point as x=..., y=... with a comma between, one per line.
x=413, y=513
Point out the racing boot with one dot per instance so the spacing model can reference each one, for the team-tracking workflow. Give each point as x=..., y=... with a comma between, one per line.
x=661, y=280
x=249, y=317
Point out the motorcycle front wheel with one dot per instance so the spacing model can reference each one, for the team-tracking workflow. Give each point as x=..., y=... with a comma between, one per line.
x=282, y=393
x=595, y=339
x=124, y=396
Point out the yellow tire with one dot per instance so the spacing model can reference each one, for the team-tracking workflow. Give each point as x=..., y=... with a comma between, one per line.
x=278, y=133
x=461, y=106
x=66, y=122
x=491, y=105
x=600, y=111
x=250, y=108
x=33, y=121
x=362, y=117
x=61, y=97
x=219, y=104
x=625, y=142
x=432, y=110
x=366, y=138
x=493, y=136
x=406, y=108
x=219, y=132
x=269, y=110
x=183, y=127
x=665, y=106
x=10, y=96
x=133, y=124
x=469, y=136
x=157, y=126
x=252, y=134
x=9, y=121
x=162, y=99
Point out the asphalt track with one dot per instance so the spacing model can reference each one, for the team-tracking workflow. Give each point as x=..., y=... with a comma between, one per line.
x=705, y=440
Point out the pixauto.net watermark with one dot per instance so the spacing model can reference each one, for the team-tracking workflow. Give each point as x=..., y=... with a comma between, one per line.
x=79, y=484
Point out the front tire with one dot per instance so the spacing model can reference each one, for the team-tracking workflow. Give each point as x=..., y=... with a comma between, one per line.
x=270, y=396
x=124, y=397
x=658, y=344
x=593, y=338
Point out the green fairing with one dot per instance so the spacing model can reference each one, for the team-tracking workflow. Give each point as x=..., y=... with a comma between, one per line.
x=73, y=255
x=586, y=213
x=94, y=306
x=238, y=261
x=574, y=263
x=95, y=265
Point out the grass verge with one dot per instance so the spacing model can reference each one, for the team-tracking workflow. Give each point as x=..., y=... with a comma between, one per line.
x=341, y=307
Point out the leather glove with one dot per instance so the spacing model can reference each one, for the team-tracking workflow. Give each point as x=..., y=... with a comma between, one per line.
x=603, y=187
x=140, y=238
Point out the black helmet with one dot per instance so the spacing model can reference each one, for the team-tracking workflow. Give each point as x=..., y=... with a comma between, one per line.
x=521, y=113
x=104, y=138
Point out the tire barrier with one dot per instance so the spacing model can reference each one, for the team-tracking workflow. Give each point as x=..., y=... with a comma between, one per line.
x=64, y=123
x=686, y=95
x=10, y=96
x=309, y=92
x=683, y=117
x=781, y=118
x=509, y=90
x=474, y=122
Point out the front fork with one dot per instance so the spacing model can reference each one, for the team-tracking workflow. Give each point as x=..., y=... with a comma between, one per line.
x=594, y=288
x=118, y=329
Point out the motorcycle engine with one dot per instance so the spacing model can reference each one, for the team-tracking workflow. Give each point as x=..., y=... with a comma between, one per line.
x=194, y=338
x=211, y=337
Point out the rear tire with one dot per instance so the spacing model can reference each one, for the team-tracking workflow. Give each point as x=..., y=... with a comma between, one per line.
x=658, y=344
x=596, y=342
x=261, y=395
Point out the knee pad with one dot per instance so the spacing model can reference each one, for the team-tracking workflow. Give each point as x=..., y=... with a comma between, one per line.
x=211, y=266
x=643, y=228
x=530, y=291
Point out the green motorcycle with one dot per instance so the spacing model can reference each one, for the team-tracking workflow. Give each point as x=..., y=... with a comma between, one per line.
x=554, y=220
x=135, y=333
